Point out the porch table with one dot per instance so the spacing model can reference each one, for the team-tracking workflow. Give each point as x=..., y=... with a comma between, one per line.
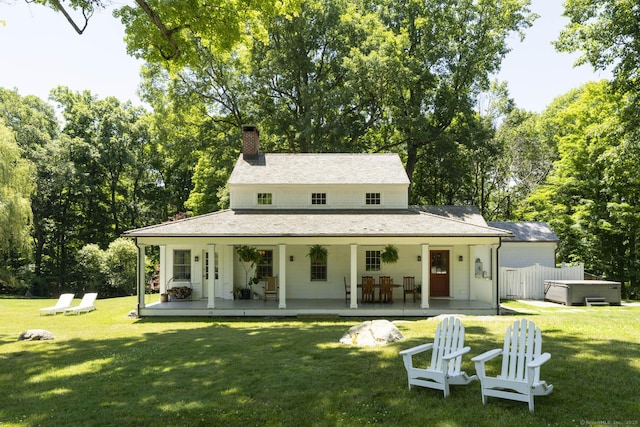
x=378, y=285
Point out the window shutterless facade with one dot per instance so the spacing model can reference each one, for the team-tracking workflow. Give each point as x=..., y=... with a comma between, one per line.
x=318, y=271
x=265, y=267
x=372, y=260
x=264, y=198
x=372, y=198
x=318, y=198
x=181, y=264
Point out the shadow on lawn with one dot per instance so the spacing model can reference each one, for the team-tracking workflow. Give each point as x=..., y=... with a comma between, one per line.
x=221, y=373
x=289, y=372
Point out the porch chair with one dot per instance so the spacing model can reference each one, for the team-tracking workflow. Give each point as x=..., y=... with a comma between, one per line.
x=270, y=287
x=521, y=362
x=447, y=350
x=409, y=287
x=347, y=291
x=386, y=289
x=87, y=304
x=368, y=289
x=64, y=302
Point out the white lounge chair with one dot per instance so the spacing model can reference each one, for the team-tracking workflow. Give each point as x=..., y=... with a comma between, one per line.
x=63, y=303
x=521, y=360
x=86, y=304
x=447, y=350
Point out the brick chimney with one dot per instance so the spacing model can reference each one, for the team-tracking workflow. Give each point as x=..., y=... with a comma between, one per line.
x=250, y=142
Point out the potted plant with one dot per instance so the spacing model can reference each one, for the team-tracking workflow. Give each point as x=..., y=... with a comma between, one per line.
x=389, y=255
x=249, y=256
x=318, y=254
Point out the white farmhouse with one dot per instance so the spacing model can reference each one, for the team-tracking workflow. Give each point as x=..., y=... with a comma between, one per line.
x=353, y=205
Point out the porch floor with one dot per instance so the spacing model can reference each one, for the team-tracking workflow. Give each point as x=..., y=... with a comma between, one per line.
x=312, y=307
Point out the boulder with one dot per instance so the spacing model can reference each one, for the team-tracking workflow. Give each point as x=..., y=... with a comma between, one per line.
x=35, y=335
x=372, y=333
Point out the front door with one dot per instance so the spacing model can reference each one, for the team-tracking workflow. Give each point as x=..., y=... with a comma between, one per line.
x=439, y=283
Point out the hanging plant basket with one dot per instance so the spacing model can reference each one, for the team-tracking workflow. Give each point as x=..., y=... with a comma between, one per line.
x=389, y=255
x=318, y=254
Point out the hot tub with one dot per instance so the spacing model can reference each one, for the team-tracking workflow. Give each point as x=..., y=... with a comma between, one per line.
x=574, y=292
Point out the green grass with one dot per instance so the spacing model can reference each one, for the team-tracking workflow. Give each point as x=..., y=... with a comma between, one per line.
x=106, y=369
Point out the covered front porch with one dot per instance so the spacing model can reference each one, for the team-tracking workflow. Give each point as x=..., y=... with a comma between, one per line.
x=452, y=260
x=312, y=307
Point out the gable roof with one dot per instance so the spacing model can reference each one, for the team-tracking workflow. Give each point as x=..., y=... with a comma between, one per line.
x=325, y=223
x=526, y=231
x=325, y=168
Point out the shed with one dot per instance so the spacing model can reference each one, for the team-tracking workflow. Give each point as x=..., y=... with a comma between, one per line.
x=532, y=243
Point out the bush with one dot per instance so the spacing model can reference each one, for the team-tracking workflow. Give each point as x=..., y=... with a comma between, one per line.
x=111, y=272
x=120, y=265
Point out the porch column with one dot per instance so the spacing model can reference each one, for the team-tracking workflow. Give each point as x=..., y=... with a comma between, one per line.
x=426, y=275
x=211, y=278
x=494, y=276
x=163, y=269
x=141, y=274
x=282, y=275
x=472, y=271
x=353, y=282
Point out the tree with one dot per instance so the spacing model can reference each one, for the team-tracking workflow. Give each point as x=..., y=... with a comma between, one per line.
x=120, y=265
x=92, y=265
x=589, y=196
x=159, y=32
x=16, y=187
x=607, y=34
x=449, y=51
x=523, y=162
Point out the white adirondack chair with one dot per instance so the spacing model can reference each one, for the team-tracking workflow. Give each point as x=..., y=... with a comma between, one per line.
x=447, y=350
x=521, y=361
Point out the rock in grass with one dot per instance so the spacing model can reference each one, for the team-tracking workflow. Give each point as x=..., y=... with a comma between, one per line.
x=372, y=333
x=35, y=335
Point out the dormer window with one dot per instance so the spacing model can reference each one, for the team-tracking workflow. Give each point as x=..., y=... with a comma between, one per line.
x=318, y=198
x=264, y=198
x=372, y=198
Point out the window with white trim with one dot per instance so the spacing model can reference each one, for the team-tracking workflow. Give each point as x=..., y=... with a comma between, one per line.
x=372, y=198
x=319, y=270
x=181, y=264
x=264, y=268
x=264, y=198
x=318, y=198
x=372, y=260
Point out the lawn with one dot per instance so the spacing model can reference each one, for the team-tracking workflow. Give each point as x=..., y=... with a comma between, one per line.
x=106, y=369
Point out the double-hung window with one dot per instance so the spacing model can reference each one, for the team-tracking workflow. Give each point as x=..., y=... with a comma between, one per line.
x=318, y=270
x=264, y=268
x=181, y=264
x=372, y=260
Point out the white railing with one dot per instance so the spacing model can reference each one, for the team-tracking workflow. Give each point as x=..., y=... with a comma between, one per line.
x=528, y=282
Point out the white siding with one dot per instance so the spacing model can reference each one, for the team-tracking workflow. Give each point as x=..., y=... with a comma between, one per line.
x=524, y=254
x=338, y=197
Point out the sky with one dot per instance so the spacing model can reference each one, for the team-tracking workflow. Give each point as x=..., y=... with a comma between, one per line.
x=41, y=51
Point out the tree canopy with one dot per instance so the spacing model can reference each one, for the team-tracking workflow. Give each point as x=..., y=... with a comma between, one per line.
x=411, y=77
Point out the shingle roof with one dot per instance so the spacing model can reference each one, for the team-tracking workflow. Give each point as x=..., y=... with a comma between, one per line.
x=527, y=231
x=469, y=214
x=328, y=223
x=338, y=168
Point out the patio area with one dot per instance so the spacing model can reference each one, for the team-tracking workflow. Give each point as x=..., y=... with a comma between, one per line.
x=311, y=307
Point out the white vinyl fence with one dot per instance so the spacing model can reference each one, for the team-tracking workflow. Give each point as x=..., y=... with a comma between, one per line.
x=528, y=282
